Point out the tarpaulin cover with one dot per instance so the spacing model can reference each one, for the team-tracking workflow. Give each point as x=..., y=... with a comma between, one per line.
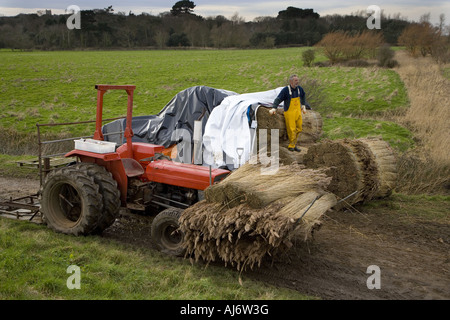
x=226, y=125
x=180, y=113
x=229, y=140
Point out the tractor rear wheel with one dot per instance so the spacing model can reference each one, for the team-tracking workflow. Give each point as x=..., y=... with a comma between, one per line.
x=166, y=233
x=109, y=191
x=71, y=202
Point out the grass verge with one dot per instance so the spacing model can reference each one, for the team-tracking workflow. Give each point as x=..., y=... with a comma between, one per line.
x=354, y=128
x=34, y=262
x=433, y=208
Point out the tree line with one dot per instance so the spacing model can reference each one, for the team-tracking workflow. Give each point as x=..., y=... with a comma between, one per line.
x=181, y=27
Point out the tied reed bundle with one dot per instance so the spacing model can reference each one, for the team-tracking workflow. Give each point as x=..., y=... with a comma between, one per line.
x=367, y=166
x=312, y=126
x=248, y=184
x=256, y=215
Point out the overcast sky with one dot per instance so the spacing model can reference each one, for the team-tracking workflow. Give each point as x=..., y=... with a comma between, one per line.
x=409, y=9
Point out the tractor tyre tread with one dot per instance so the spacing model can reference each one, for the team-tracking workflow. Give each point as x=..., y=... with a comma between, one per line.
x=167, y=217
x=87, y=189
x=110, y=193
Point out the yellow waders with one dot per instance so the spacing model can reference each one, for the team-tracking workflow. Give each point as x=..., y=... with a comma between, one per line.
x=294, y=121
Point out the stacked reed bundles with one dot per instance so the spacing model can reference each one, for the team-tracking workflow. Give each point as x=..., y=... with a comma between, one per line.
x=257, y=186
x=312, y=125
x=386, y=162
x=364, y=165
x=242, y=233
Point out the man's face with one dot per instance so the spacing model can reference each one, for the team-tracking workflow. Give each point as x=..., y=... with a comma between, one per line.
x=294, y=82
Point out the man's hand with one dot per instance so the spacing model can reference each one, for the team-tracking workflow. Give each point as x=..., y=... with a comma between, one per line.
x=272, y=111
x=304, y=109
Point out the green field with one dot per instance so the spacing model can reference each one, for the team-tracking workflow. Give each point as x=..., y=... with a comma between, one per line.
x=346, y=127
x=52, y=87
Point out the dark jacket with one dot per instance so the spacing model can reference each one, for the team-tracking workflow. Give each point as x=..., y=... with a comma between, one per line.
x=285, y=97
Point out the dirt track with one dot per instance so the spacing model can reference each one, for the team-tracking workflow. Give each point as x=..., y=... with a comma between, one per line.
x=413, y=254
x=414, y=259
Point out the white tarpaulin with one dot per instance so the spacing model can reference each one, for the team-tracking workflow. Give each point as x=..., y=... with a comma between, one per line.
x=227, y=131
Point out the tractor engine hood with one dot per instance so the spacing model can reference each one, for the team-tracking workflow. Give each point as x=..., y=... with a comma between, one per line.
x=183, y=174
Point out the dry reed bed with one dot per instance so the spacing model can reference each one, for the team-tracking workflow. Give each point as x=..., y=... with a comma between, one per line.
x=426, y=169
x=251, y=215
x=429, y=112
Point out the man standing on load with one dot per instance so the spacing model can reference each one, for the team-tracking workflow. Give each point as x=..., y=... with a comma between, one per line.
x=294, y=100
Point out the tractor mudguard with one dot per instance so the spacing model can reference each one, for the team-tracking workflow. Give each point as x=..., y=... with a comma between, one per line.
x=112, y=162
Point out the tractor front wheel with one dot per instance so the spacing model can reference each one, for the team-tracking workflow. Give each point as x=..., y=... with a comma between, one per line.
x=166, y=233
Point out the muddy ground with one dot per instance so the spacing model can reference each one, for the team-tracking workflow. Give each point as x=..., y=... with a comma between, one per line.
x=412, y=253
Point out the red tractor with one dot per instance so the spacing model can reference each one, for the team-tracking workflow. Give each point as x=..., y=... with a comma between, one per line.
x=85, y=198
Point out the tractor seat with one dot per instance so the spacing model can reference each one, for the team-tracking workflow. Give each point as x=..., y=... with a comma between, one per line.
x=132, y=167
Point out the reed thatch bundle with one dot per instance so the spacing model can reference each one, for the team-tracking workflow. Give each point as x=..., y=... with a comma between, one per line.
x=312, y=125
x=283, y=155
x=257, y=187
x=367, y=166
x=386, y=163
x=271, y=214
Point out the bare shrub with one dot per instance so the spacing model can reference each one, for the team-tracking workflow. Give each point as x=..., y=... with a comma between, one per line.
x=362, y=45
x=441, y=50
x=372, y=41
x=409, y=40
x=420, y=38
x=315, y=94
x=339, y=46
x=332, y=47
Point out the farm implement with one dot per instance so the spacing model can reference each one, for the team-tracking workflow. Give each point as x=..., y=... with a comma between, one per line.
x=22, y=208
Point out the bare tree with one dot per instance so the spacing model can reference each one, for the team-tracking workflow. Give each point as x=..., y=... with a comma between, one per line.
x=425, y=18
x=441, y=22
x=161, y=37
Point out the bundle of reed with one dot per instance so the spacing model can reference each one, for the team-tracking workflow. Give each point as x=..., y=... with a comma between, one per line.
x=255, y=185
x=386, y=164
x=251, y=215
x=312, y=128
x=367, y=166
x=243, y=236
x=312, y=125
